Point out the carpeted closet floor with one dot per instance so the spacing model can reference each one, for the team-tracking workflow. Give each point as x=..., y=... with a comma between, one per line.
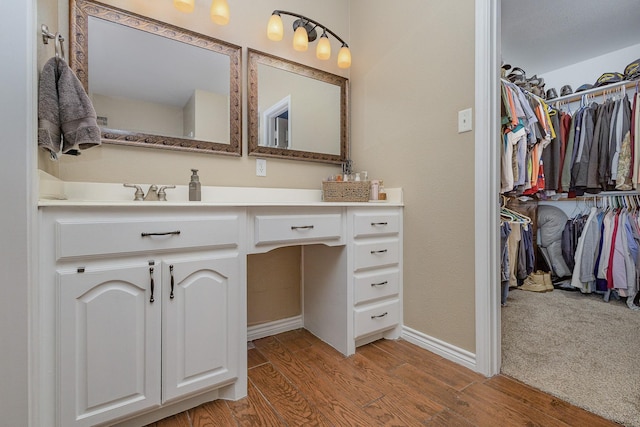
x=576, y=347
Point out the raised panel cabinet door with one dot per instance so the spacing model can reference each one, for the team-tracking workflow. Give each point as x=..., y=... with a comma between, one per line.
x=200, y=297
x=109, y=346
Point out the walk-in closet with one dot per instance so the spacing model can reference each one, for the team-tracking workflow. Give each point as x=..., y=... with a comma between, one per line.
x=570, y=201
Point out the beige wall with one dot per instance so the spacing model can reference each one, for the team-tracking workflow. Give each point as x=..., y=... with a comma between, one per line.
x=139, y=116
x=412, y=71
x=275, y=285
x=247, y=28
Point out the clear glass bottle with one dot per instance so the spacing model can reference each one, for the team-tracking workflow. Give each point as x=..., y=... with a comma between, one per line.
x=382, y=194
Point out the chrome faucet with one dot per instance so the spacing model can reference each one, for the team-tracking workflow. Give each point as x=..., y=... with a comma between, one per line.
x=152, y=195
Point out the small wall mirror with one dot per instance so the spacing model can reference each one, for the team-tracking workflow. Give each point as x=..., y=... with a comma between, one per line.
x=296, y=111
x=156, y=85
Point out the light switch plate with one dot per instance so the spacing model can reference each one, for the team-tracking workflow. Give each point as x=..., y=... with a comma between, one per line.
x=261, y=167
x=464, y=120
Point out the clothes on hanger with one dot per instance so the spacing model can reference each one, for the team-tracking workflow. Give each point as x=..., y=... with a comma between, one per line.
x=547, y=149
x=606, y=254
x=516, y=249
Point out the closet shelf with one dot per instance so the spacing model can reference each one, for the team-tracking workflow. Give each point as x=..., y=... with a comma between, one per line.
x=595, y=91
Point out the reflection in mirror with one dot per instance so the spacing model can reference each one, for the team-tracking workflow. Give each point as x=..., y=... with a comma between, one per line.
x=295, y=111
x=156, y=85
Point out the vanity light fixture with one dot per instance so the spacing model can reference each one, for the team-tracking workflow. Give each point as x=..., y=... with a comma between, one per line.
x=305, y=32
x=219, y=9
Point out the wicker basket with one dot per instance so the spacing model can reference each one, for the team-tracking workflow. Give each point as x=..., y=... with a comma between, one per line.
x=345, y=191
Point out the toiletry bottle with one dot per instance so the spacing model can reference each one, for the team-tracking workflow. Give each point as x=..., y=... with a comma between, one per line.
x=382, y=194
x=194, y=186
x=375, y=186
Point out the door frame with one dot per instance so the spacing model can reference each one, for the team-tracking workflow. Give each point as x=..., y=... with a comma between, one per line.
x=487, y=169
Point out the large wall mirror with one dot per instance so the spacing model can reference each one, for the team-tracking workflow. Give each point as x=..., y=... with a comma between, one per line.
x=154, y=84
x=295, y=111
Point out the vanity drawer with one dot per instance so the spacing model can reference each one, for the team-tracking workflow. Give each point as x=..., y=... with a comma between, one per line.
x=297, y=228
x=377, y=285
x=376, y=317
x=80, y=238
x=378, y=253
x=376, y=223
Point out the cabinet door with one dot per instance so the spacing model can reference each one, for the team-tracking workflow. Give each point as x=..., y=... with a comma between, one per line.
x=198, y=348
x=109, y=343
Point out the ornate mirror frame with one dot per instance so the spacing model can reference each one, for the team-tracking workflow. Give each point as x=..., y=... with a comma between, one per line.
x=256, y=57
x=81, y=10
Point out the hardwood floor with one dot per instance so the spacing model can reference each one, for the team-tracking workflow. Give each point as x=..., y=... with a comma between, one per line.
x=295, y=379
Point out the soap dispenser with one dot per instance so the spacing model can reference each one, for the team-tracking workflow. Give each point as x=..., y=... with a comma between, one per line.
x=194, y=186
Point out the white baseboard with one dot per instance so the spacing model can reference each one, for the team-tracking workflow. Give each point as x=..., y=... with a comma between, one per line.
x=441, y=348
x=434, y=345
x=274, y=328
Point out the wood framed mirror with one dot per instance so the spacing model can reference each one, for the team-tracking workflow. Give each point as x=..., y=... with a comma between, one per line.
x=295, y=111
x=156, y=85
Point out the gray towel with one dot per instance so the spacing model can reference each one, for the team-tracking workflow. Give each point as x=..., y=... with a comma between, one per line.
x=66, y=118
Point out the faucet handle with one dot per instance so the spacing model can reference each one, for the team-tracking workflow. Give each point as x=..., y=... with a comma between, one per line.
x=139, y=196
x=162, y=195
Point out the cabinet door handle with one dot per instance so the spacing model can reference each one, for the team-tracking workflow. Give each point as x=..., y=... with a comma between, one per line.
x=167, y=233
x=379, y=315
x=375, y=224
x=380, y=284
x=152, y=284
x=171, y=272
x=378, y=252
x=302, y=227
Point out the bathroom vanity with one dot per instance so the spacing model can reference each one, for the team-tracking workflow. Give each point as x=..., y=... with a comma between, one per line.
x=141, y=306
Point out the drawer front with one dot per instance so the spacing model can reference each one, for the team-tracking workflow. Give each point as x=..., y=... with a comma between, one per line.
x=376, y=254
x=297, y=228
x=377, y=285
x=376, y=224
x=376, y=317
x=87, y=238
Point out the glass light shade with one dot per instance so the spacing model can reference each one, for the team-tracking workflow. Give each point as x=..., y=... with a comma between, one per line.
x=185, y=6
x=220, y=12
x=275, y=30
x=300, y=39
x=344, y=57
x=323, y=50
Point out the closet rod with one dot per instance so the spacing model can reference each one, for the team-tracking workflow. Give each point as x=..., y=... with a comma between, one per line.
x=595, y=91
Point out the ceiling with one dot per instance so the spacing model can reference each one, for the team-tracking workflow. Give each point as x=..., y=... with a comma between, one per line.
x=544, y=35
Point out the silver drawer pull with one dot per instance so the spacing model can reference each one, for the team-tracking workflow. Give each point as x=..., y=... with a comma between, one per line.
x=302, y=227
x=378, y=252
x=375, y=224
x=168, y=233
x=379, y=284
x=151, y=299
x=379, y=315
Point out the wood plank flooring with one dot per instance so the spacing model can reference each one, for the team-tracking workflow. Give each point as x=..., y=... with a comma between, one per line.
x=297, y=380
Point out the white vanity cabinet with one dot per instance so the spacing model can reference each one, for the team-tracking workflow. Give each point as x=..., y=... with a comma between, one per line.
x=140, y=308
x=145, y=308
x=353, y=293
x=376, y=272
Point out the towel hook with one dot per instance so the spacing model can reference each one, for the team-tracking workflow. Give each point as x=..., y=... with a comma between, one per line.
x=59, y=46
x=47, y=35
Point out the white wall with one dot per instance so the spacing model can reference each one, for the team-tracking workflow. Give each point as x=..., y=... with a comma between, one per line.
x=17, y=167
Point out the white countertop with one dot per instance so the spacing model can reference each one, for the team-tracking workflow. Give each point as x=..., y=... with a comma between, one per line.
x=54, y=192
